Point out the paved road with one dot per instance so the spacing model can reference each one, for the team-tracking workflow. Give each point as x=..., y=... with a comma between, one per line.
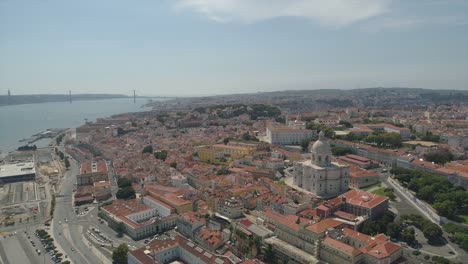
x=69, y=234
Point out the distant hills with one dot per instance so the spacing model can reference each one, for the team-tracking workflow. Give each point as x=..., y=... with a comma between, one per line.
x=46, y=98
x=297, y=101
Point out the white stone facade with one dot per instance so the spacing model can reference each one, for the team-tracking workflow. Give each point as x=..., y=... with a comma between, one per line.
x=319, y=175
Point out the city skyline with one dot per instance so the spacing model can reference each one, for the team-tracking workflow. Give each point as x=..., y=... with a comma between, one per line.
x=188, y=47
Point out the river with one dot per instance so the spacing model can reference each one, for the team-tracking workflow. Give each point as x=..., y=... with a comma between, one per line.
x=22, y=121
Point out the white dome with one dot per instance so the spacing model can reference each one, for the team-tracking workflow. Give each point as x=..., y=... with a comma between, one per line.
x=321, y=146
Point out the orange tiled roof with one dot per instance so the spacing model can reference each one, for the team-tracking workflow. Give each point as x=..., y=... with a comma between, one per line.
x=323, y=225
x=341, y=246
x=363, y=199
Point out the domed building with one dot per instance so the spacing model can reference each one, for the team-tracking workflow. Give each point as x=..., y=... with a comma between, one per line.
x=319, y=175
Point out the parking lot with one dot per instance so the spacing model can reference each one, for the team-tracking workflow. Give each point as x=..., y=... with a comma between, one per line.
x=23, y=242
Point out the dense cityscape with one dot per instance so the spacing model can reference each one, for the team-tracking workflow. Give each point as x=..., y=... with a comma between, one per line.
x=227, y=179
x=234, y=132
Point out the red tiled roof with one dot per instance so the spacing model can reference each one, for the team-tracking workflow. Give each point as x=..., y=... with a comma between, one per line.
x=356, y=172
x=344, y=215
x=363, y=199
x=285, y=220
x=341, y=246
x=323, y=225
x=381, y=249
x=246, y=222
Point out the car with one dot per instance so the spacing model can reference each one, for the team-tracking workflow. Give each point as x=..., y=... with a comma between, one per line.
x=72, y=249
x=451, y=253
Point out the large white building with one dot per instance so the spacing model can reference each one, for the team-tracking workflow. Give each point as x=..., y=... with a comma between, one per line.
x=24, y=171
x=319, y=175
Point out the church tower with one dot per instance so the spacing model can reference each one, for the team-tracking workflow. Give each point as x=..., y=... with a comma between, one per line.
x=321, y=152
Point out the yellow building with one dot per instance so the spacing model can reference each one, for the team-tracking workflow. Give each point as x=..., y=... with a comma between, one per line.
x=219, y=151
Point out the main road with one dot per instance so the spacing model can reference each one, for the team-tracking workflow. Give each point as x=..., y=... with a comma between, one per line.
x=67, y=229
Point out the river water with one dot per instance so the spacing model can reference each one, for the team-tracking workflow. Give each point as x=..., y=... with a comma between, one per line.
x=22, y=121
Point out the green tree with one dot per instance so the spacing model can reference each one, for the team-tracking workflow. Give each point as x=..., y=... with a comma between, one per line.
x=119, y=255
x=392, y=139
x=305, y=144
x=319, y=127
x=67, y=163
x=446, y=208
x=439, y=157
x=148, y=149
x=126, y=193
x=341, y=151
x=173, y=164
x=223, y=171
x=426, y=193
x=432, y=231
x=346, y=124
x=394, y=229
x=120, y=228
x=161, y=155
x=270, y=255
x=124, y=182
x=408, y=235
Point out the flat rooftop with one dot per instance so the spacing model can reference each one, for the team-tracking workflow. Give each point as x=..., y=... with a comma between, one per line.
x=17, y=169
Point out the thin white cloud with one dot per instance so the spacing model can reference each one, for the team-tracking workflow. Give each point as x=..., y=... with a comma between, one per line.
x=403, y=23
x=325, y=12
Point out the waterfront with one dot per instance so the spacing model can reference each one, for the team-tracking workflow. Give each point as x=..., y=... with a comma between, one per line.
x=22, y=121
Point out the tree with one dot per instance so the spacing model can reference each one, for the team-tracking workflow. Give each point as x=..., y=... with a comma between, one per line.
x=341, y=151
x=67, y=163
x=126, y=193
x=148, y=149
x=119, y=255
x=161, y=155
x=319, y=127
x=61, y=155
x=173, y=164
x=426, y=193
x=223, y=171
x=393, y=230
x=439, y=157
x=346, y=124
x=124, y=182
x=408, y=235
x=246, y=136
x=270, y=255
x=305, y=144
x=432, y=231
x=225, y=141
x=120, y=228
x=392, y=139
x=446, y=208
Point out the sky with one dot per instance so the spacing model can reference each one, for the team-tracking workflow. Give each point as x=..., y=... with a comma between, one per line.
x=207, y=47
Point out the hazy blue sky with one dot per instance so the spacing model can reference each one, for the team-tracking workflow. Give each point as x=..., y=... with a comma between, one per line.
x=193, y=47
